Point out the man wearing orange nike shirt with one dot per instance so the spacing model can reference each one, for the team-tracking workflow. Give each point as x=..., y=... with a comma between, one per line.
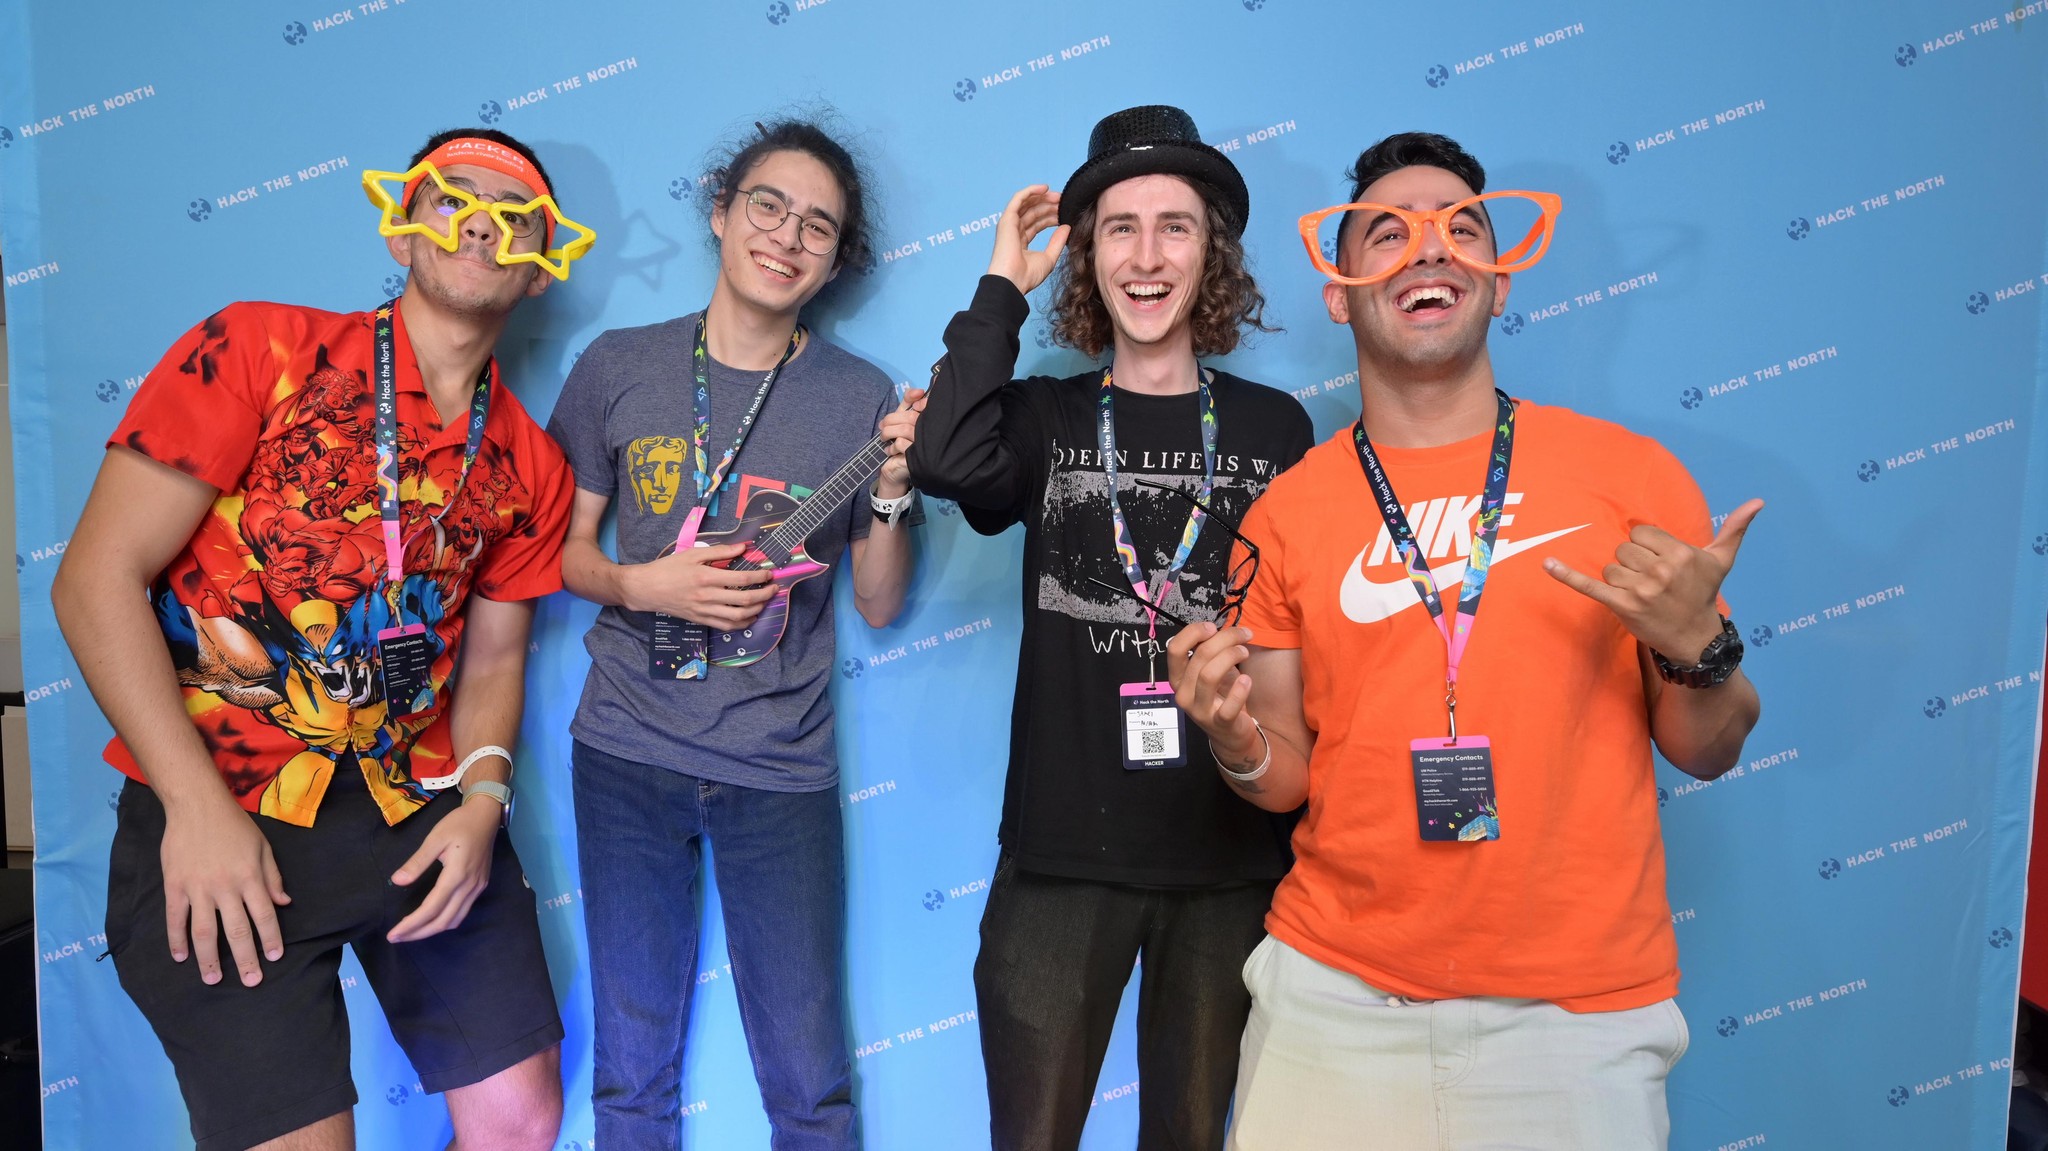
x=1474, y=942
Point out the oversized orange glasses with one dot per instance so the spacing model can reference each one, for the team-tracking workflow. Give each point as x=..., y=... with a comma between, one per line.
x=1470, y=231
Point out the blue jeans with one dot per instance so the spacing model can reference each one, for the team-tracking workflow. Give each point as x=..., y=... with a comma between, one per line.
x=782, y=879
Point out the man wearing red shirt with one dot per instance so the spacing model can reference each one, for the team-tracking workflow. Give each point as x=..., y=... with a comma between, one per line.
x=306, y=525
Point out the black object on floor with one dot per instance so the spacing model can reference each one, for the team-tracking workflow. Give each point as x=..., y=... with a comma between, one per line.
x=20, y=1078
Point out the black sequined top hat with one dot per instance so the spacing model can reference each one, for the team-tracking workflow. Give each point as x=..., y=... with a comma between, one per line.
x=1156, y=139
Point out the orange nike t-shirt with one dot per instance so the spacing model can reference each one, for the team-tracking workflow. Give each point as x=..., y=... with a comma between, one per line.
x=1568, y=905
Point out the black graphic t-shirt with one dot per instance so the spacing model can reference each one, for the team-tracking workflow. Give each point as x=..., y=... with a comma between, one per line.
x=1028, y=451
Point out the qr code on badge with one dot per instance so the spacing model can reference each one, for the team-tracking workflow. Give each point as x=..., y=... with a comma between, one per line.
x=1152, y=742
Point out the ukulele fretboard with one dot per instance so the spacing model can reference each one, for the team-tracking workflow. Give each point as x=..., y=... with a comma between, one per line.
x=777, y=546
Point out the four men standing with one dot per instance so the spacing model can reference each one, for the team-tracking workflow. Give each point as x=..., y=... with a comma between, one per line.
x=1477, y=852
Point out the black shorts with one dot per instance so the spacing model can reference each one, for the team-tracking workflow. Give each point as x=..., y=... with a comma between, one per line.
x=257, y=1062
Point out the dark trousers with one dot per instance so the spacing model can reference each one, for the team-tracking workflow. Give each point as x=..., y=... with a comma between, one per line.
x=1055, y=955
x=255, y=1063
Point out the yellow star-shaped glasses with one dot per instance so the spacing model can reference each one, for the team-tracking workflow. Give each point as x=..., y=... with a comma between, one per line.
x=515, y=221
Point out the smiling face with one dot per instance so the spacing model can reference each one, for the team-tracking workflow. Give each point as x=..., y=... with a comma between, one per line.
x=1149, y=244
x=1431, y=315
x=771, y=270
x=469, y=281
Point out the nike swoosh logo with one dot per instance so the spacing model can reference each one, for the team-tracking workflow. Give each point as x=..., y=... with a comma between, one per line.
x=1370, y=601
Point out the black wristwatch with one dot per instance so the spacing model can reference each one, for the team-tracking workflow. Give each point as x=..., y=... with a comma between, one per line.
x=1716, y=663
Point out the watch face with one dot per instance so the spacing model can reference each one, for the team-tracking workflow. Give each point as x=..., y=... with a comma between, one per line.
x=1726, y=650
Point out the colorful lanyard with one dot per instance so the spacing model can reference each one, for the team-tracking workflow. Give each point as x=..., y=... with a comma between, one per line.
x=1485, y=532
x=383, y=332
x=1105, y=423
x=708, y=482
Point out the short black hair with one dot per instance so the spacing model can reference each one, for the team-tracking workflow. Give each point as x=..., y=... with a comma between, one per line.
x=1410, y=150
x=493, y=135
x=735, y=160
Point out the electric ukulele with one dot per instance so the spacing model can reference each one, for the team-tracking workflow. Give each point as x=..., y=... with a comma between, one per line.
x=774, y=526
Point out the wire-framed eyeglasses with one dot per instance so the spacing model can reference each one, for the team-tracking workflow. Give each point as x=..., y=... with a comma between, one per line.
x=767, y=210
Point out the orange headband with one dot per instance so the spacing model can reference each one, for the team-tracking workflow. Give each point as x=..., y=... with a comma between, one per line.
x=482, y=154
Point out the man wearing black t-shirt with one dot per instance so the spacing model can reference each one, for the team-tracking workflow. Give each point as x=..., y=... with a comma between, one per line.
x=1119, y=842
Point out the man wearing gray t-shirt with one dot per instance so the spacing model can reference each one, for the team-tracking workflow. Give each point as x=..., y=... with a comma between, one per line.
x=737, y=449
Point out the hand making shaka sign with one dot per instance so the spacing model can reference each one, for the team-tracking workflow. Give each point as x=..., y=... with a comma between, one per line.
x=1663, y=590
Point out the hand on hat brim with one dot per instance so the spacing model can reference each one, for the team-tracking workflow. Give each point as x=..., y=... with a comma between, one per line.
x=1031, y=211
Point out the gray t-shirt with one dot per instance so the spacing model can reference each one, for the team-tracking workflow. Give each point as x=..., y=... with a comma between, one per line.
x=623, y=420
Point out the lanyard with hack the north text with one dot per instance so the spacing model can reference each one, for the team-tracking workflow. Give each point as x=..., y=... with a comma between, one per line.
x=1126, y=552
x=384, y=335
x=1456, y=632
x=708, y=480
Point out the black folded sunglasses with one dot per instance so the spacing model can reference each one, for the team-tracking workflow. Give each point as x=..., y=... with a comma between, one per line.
x=1241, y=574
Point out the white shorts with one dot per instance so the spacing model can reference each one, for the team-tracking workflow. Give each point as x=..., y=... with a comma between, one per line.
x=1330, y=1062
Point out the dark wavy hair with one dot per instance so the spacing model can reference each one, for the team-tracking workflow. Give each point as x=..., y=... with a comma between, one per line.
x=1227, y=301
x=492, y=134
x=1410, y=150
x=735, y=160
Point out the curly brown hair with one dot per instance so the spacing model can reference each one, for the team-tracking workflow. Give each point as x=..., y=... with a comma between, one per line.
x=1227, y=301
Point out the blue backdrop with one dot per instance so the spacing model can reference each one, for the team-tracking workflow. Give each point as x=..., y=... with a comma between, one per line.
x=1801, y=244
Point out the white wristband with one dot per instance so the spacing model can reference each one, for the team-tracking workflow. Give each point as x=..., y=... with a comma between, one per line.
x=1254, y=773
x=889, y=511
x=444, y=782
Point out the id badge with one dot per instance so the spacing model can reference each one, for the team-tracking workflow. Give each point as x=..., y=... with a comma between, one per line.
x=1454, y=796
x=1155, y=732
x=678, y=648
x=405, y=655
